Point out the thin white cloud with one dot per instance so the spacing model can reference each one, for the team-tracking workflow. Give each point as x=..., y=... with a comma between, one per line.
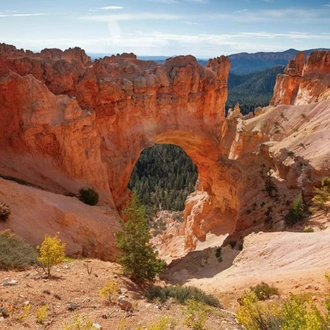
x=293, y=15
x=241, y=11
x=201, y=45
x=191, y=23
x=131, y=17
x=111, y=8
x=25, y=15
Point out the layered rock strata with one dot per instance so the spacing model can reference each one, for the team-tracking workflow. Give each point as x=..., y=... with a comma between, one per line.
x=304, y=82
x=68, y=123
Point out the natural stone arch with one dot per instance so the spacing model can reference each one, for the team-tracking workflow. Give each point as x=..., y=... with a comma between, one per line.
x=179, y=103
x=112, y=110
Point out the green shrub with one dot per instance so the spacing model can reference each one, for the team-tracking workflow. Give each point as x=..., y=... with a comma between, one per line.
x=88, y=196
x=15, y=253
x=322, y=195
x=270, y=186
x=264, y=291
x=254, y=314
x=139, y=259
x=296, y=212
x=181, y=294
x=4, y=212
x=218, y=254
x=293, y=313
x=299, y=314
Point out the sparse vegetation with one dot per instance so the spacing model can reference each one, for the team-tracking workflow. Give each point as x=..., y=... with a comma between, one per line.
x=290, y=153
x=139, y=259
x=268, y=214
x=110, y=290
x=264, y=291
x=180, y=294
x=41, y=313
x=88, y=196
x=15, y=253
x=52, y=252
x=218, y=254
x=293, y=313
x=308, y=230
x=79, y=323
x=270, y=186
x=4, y=212
x=322, y=195
x=25, y=313
x=296, y=212
x=163, y=323
x=196, y=314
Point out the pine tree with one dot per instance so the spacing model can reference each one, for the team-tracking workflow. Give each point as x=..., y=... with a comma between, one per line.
x=138, y=258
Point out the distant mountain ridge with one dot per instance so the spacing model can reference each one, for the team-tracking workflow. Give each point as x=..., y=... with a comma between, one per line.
x=241, y=63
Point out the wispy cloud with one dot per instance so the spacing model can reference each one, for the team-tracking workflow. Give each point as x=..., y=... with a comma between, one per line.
x=294, y=15
x=25, y=15
x=111, y=8
x=191, y=23
x=157, y=42
x=131, y=17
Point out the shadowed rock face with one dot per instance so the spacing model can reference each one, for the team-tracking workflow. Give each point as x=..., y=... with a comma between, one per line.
x=304, y=82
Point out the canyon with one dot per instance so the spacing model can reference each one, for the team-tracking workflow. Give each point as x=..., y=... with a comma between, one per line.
x=69, y=123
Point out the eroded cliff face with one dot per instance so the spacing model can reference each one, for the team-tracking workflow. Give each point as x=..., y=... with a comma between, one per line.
x=304, y=82
x=69, y=123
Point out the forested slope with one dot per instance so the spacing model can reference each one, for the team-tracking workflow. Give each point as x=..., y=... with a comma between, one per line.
x=163, y=178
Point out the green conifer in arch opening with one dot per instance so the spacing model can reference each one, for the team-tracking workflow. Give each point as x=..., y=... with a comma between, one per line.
x=139, y=259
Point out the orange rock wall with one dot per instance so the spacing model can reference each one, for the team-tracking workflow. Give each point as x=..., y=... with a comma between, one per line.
x=69, y=123
x=304, y=82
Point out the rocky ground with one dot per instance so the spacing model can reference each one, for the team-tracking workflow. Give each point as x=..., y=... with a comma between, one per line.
x=74, y=294
x=291, y=261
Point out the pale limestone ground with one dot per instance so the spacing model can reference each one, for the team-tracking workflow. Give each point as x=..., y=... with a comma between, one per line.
x=292, y=261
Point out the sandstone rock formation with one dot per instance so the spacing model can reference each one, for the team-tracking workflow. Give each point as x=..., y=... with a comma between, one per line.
x=304, y=82
x=88, y=231
x=110, y=111
x=69, y=123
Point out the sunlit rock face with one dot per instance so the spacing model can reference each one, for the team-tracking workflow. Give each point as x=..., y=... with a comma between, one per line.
x=68, y=123
x=304, y=81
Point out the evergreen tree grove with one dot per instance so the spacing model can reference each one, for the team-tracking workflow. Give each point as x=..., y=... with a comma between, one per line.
x=139, y=259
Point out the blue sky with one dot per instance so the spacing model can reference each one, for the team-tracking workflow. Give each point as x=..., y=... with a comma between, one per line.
x=204, y=28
